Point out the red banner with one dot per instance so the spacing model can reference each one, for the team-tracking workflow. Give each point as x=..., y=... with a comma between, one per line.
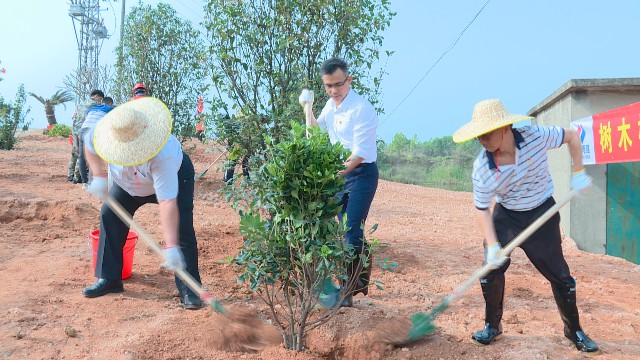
x=610, y=137
x=616, y=134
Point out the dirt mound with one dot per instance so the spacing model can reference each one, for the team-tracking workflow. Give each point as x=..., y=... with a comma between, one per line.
x=431, y=235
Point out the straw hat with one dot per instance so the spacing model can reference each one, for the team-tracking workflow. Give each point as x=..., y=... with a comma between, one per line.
x=133, y=132
x=488, y=115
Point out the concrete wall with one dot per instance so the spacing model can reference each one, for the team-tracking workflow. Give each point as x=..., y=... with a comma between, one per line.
x=584, y=220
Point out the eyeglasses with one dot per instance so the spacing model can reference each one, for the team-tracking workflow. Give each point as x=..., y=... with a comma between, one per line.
x=336, y=85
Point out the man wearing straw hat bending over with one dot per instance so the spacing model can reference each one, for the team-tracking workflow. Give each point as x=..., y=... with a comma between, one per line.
x=148, y=166
x=513, y=168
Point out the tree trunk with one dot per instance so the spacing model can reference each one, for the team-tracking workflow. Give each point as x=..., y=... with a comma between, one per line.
x=51, y=116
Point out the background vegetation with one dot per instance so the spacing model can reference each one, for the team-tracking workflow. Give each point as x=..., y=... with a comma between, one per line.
x=13, y=117
x=437, y=163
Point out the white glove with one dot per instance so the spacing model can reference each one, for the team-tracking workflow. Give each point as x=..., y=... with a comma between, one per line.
x=173, y=258
x=98, y=187
x=580, y=180
x=306, y=97
x=492, y=255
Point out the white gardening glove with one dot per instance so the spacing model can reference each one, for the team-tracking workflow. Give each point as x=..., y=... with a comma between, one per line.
x=98, y=187
x=580, y=180
x=306, y=97
x=492, y=255
x=173, y=258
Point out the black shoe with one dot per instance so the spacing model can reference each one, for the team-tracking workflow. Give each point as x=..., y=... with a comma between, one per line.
x=487, y=335
x=70, y=178
x=190, y=303
x=103, y=287
x=581, y=341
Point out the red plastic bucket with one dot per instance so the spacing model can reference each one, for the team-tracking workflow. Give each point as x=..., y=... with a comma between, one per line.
x=127, y=251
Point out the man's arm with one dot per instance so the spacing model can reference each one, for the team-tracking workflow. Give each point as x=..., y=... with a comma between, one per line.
x=572, y=140
x=96, y=164
x=350, y=164
x=170, y=220
x=486, y=225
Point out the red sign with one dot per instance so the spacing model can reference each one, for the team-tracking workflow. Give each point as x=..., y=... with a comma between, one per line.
x=616, y=135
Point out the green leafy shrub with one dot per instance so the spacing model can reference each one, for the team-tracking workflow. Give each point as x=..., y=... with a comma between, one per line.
x=59, y=130
x=293, y=241
x=12, y=117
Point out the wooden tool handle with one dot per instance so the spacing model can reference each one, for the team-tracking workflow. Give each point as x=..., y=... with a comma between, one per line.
x=506, y=251
x=153, y=245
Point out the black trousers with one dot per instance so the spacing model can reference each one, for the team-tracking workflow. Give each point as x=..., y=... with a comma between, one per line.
x=113, y=232
x=543, y=248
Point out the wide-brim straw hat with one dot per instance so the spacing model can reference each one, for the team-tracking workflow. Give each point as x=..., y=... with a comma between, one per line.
x=488, y=115
x=133, y=132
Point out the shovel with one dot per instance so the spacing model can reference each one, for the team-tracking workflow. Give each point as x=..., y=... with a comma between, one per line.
x=146, y=237
x=400, y=333
x=234, y=331
x=209, y=167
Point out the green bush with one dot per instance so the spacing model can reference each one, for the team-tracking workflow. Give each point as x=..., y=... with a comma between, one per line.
x=12, y=117
x=59, y=130
x=293, y=241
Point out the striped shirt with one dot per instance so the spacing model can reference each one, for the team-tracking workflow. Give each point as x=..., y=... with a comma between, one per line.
x=524, y=185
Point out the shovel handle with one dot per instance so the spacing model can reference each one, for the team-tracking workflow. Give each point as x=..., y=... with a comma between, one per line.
x=210, y=165
x=308, y=108
x=506, y=251
x=153, y=245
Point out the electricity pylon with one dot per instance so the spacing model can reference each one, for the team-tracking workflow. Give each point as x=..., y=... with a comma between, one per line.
x=90, y=34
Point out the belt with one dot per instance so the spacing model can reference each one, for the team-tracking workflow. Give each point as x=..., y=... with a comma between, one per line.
x=365, y=164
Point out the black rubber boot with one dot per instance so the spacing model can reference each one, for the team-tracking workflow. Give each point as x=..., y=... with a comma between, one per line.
x=493, y=292
x=565, y=296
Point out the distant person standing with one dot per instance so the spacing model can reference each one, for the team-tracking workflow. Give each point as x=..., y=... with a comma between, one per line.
x=107, y=101
x=74, y=174
x=96, y=99
x=200, y=130
x=351, y=120
x=94, y=114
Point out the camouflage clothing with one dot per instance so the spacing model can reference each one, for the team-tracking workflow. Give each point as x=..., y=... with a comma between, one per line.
x=78, y=119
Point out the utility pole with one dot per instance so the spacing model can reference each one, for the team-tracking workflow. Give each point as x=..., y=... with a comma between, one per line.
x=90, y=33
x=120, y=56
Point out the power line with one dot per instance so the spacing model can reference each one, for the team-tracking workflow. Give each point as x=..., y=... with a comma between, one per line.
x=437, y=61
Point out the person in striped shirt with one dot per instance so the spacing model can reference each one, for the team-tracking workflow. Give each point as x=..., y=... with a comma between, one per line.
x=513, y=168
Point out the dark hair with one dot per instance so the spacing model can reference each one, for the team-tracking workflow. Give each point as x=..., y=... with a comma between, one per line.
x=97, y=92
x=330, y=66
x=107, y=100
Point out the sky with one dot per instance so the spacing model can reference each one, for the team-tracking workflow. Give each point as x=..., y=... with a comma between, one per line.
x=519, y=51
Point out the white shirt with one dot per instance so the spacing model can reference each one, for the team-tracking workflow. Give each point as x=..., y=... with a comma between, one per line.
x=157, y=176
x=524, y=185
x=353, y=124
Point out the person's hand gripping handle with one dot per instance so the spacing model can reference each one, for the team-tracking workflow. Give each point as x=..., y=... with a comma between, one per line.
x=306, y=101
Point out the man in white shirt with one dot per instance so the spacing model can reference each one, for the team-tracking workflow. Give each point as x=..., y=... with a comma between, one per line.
x=351, y=120
x=147, y=165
